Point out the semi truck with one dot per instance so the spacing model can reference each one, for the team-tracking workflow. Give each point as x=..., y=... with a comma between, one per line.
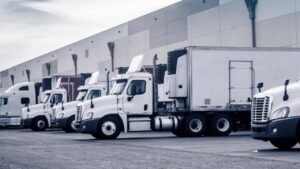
x=15, y=98
x=275, y=115
x=206, y=91
x=40, y=116
x=97, y=86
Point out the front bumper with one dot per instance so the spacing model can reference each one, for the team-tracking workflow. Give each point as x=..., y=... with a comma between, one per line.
x=61, y=123
x=26, y=123
x=87, y=126
x=276, y=129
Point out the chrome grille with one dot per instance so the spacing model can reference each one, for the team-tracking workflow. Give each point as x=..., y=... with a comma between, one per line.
x=78, y=116
x=260, y=110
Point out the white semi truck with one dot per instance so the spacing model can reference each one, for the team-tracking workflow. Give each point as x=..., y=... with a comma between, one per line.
x=207, y=91
x=39, y=117
x=65, y=113
x=14, y=99
x=275, y=115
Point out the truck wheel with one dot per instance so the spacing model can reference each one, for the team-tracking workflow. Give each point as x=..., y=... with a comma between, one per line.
x=283, y=144
x=39, y=124
x=71, y=125
x=108, y=128
x=221, y=125
x=194, y=125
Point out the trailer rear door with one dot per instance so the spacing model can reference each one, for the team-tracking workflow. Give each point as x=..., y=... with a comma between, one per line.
x=241, y=80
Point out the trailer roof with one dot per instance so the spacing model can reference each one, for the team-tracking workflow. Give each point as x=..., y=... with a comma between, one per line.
x=243, y=48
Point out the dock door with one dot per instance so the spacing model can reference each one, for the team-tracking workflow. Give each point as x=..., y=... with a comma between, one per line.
x=241, y=82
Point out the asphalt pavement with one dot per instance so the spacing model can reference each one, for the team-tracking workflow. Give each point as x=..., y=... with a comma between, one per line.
x=54, y=149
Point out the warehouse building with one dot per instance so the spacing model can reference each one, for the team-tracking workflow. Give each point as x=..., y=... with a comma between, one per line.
x=274, y=23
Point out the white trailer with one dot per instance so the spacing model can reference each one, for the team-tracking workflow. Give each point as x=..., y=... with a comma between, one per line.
x=208, y=91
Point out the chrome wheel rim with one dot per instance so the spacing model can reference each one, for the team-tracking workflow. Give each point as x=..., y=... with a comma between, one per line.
x=223, y=124
x=41, y=124
x=73, y=124
x=195, y=125
x=108, y=128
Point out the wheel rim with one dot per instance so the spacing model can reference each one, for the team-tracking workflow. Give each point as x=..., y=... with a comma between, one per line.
x=223, y=124
x=108, y=128
x=196, y=125
x=41, y=124
x=73, y=124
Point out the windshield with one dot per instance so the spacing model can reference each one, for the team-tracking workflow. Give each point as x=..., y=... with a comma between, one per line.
x=46, y=98
x=118, y=87
x=3, y=101
x=81, y=95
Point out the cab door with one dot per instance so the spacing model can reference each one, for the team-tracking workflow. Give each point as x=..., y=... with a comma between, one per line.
x=138, y=97
x=55, y=99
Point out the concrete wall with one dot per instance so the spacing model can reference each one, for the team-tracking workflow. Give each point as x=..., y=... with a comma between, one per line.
x=189, y=22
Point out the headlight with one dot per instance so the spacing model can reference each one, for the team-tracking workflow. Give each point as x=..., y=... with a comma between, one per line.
x=280, y=113
x=88, y=115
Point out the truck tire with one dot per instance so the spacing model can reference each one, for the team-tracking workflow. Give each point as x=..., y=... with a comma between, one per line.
x=194, y=125
x=179, y=132
x=39, y=124
x=108, y=128
x=70, y=128
x=221, y=125
x=284, y=144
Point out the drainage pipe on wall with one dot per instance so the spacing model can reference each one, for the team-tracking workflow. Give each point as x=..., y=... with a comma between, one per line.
x=251, y=6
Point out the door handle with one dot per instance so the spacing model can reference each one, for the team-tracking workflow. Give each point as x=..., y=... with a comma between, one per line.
x=145, y=107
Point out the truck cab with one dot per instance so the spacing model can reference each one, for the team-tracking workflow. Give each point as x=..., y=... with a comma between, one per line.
x=13, y=100
x=128, y=107
x=65, y=113
x=275, y=115
x=39, y=117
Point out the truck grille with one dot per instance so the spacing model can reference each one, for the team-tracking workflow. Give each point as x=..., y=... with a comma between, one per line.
x=260, y=110
x=78, y=116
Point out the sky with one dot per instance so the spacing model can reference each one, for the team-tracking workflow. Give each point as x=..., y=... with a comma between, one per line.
x=30, y=28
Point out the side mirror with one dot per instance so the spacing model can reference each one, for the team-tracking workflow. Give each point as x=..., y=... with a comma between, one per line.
x=62, y=105
x=130, y=97
x=92, y=104
x=259, y=86
x=285, y=95
x=28, y=110
x=287, y=82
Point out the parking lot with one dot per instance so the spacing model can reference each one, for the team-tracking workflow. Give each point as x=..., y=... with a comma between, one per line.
x=20, y=148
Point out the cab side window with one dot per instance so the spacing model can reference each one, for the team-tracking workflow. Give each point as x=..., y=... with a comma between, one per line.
x=94, y=94
x=24, y=88
x=25, y=100
x=56, y=98
x=137, y=87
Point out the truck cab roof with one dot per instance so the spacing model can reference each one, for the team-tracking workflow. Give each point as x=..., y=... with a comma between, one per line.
x=55, y=90
x=87, y=87
x=132, y=75
x=17, y=87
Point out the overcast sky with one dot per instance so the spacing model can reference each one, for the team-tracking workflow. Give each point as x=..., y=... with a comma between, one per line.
x=30, y=28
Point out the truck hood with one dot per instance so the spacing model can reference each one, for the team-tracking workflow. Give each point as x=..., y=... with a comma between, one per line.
x=102, y=106
x=273, y=92
x=276, y=97
x=36, y=107
x=32, y=110
x=69, y=109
